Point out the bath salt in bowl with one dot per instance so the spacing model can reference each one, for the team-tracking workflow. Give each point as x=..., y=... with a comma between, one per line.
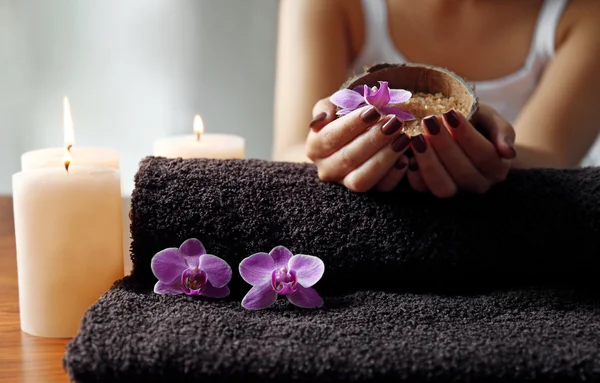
x=434, y=90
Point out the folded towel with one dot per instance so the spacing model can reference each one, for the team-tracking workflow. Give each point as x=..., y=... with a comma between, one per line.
x=538, y=227
x=505, y=336
x=532, y=244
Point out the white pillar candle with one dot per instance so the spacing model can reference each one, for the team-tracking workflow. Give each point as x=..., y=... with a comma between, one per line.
x=200, y=145
x=69, y=244
x=84, y=157
x=53, y=157
x=92, y=157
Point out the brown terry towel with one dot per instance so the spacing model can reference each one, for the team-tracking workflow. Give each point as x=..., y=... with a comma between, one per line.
x=500, y=287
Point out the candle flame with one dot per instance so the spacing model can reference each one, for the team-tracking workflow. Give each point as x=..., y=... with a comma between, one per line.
x=69, y=135
x=198, y=126
x=67, y=158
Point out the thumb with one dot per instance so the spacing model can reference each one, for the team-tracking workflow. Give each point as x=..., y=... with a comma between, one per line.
x=503, y=137
x=499, y=131
x=323, y=113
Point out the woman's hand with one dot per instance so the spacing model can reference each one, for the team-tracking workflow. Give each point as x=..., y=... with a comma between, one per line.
x=454, y=156
x=360, y=150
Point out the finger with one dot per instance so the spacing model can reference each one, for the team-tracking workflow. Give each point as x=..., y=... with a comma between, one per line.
x=434, y=174
x=414, y=176
x=367, y=175
x=363, y=147
x=478, y=149
x=500, y=132
x=340, y=132
x=323, y=113
x=394, y=175
x=460, y=168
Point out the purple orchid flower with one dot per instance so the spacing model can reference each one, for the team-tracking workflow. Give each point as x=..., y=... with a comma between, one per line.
x=352, y=99
x=280, y=272
x=189, y=270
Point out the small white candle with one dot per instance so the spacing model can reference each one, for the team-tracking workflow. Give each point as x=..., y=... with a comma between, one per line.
x=201, y=145
x=53, y=157
x=69, y=244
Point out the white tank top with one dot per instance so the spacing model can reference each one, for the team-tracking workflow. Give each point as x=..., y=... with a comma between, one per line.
x=508, y=94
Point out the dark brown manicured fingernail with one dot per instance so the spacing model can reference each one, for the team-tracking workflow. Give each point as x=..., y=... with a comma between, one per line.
x=512, y=150
x=401, y=143
x=413, y=165
x=392, y=126
x=370, y=115
x=320, y=117
x=432, y=125
x=452, y=118
x=401, y=163
x=418, y=142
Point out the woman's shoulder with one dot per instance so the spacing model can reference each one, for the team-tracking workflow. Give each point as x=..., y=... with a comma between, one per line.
x=328, y=8
x=327, y=16
x=579, y=16
x=354, y=17
x=321, y=12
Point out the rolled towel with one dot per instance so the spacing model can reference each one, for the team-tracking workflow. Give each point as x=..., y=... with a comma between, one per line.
x=539, y=227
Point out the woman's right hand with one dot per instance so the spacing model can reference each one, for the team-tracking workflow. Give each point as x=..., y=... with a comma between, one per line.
x=360, y=150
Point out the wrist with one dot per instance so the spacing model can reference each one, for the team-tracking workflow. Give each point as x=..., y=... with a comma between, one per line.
x=295, y=153
x=528, y=158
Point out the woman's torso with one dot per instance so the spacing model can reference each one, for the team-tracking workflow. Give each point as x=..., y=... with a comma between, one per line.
x=502, y=47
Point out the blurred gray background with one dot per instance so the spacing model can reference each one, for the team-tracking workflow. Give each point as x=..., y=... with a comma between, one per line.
x=134, y=71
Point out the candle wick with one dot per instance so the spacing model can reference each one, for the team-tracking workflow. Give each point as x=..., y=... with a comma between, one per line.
x=67, y=162
x=198, y=136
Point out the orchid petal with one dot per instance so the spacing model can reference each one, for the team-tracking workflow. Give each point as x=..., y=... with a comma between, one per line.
x=216, y=269
x=259, y=297
x=168, y=288
x=309, y=269
x=402, y=115
x=343, y=112
x=192, y=249
x=306, y=298
x=359, y=89
x=379, y=98
x=168, y=264
x=346, y=98
x=257, y=268
x=211, y=291
x=281, y=257
x=399, y=96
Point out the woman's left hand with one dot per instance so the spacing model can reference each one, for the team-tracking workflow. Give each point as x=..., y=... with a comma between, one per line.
x=453, y=156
